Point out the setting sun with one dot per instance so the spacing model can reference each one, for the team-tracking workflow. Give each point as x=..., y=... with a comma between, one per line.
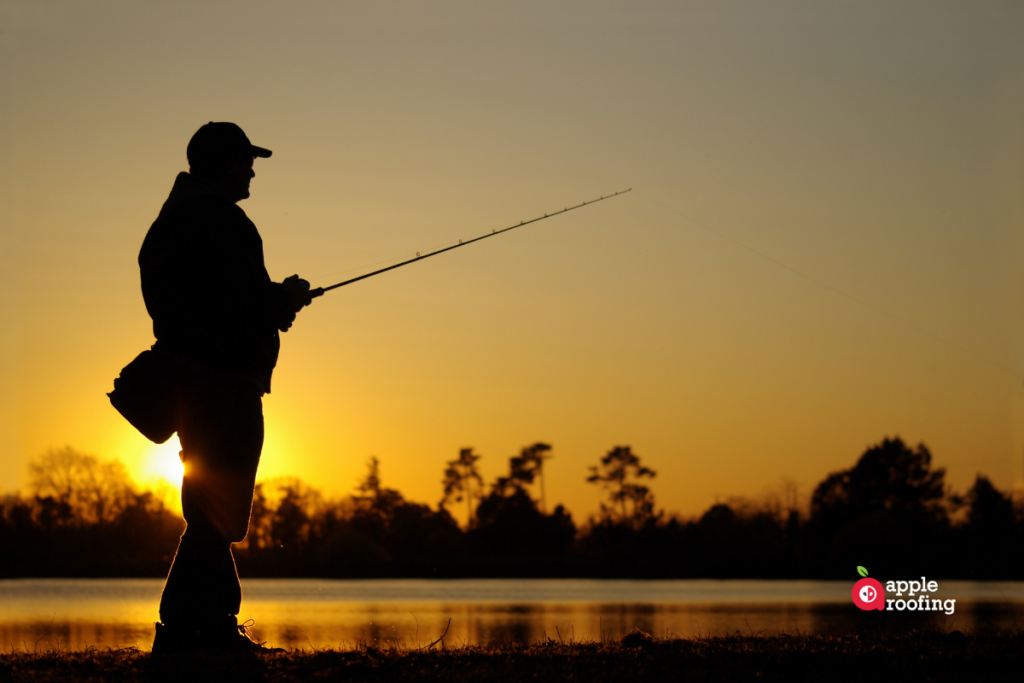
x=163, y=462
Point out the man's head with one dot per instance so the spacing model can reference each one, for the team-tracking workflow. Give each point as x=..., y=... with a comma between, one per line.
x=221, y=153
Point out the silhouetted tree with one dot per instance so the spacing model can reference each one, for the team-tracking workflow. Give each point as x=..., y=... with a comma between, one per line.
x=418, y=537
x=90, y=489
x=522, y=470
x=529, y=466
x=888, y=510
x=509, y=523
x=289, y=523
x=374, y=504
x=52, y=512
x=395, y=535
x=511, y=526
x=280, y=525
x=990, y=511
x=991, y=537
x=459, y=479
x=888, y=477
x=620, y=473
x=144, y=536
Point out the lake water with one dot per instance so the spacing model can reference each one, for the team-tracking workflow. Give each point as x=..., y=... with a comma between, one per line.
x=38, y=614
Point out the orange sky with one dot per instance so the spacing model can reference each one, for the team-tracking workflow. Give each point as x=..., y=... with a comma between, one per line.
x=874, y=148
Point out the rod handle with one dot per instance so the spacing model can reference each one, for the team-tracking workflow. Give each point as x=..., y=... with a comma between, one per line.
x=314, y=293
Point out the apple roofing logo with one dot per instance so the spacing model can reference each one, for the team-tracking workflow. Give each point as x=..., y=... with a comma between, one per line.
x=868, y=593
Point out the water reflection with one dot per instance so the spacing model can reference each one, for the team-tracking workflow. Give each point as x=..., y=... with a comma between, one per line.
x=35, y=636
x=38, y=615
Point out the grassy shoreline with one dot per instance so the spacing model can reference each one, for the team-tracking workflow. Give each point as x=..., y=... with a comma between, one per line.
x=824, y=657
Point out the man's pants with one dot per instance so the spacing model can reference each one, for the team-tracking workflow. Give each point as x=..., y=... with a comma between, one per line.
x=221, y=432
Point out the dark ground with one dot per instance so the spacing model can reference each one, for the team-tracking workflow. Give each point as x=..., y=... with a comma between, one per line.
x=912, y=656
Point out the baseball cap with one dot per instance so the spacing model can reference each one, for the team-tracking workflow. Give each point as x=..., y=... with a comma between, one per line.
x=220, y=140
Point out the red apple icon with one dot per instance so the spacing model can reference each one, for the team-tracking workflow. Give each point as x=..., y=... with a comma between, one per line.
x=868, y=594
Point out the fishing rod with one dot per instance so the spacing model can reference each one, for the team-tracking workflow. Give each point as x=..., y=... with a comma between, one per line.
x=320, y=291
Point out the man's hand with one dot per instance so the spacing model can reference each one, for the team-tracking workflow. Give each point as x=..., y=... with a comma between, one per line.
x=298, y=292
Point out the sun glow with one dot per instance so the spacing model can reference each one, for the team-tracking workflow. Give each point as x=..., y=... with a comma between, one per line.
x=163, y=462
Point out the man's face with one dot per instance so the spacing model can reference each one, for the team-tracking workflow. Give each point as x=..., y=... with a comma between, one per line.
x=237, y=174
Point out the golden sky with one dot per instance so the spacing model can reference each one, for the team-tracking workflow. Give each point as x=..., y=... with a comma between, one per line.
x=824, y=246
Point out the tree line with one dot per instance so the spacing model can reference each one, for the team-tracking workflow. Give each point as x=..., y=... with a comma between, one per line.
x=892, y=511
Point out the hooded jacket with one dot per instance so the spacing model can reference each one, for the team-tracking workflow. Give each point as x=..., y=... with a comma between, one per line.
x=206, y=287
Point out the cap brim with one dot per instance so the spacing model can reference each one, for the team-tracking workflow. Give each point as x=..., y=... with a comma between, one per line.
x=260, y=152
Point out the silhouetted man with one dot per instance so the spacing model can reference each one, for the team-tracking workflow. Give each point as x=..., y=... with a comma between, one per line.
x=216, y=317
